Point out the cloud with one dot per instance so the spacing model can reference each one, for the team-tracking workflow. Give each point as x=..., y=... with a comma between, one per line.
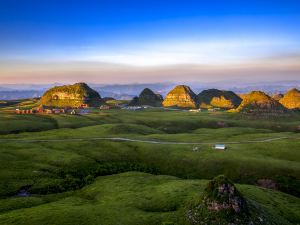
x=174, y=52
x=271, y=68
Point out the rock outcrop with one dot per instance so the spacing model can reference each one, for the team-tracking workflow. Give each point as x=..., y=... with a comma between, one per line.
x=222, y=204
x=260, y=103
x=147, y=97
x=291, y=99
x=181, y=96
x=218, y=98
x=71, y=96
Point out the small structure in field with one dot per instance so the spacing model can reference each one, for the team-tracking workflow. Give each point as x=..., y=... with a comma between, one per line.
x=213, y=109
x=220, y=147
x=25, y=111
x=105, y=107
x=195, y=110
x=195, y=149
x=134, y=108
x=84, y=106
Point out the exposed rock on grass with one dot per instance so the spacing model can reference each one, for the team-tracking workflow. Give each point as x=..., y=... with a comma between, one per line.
x=223, y=204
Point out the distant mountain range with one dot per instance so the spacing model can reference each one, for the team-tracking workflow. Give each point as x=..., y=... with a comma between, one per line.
x=128, y=91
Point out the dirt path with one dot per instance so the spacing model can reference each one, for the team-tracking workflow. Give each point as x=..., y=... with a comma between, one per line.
x=121, y=139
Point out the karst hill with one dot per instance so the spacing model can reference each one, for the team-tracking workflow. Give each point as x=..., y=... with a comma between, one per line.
x=259, y=102
x=291, y=99
x=147, y=97
x=218, y=98
x=181, y=96
x=71, y=96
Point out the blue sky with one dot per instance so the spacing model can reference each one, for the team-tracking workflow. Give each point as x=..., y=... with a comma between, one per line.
x=144, y=33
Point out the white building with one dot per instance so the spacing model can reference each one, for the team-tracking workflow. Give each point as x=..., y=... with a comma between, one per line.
x=220, y=147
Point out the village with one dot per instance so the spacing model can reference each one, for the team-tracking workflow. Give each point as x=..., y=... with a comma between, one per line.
x=82, y=109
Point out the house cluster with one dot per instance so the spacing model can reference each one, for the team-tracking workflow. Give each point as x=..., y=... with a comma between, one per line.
x=208, y=110
x=135, y=108
x=213, y=109
x=49, y=110
x=107, y=107
x=195, y=110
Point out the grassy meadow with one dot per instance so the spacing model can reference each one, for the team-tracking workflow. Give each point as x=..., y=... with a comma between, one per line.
x=74, y=177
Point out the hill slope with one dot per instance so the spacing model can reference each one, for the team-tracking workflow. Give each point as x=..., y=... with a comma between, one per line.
x=277, y=97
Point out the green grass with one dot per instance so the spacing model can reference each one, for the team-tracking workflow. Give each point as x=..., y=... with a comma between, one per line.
x=62, y=170
x=244, y=163
x=133, y=198
x=165, y=121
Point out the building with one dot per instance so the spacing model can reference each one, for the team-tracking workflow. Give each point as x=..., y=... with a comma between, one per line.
x=105, y=107
x=48, y=111
x=84, y=106
x=25, y=111
x=195, y=110
x=220, y=147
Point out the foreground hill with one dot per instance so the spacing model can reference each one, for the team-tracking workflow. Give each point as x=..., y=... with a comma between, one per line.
x=147, y=97
x=140, y=198
x=71, y=96
x=181, y=96
x=291, y=99
x=218, y=98
x=259, y=102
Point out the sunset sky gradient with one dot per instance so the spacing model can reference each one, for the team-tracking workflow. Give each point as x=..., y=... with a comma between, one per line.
x=136, y=41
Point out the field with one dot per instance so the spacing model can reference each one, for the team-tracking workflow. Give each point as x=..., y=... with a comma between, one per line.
x=141, y=167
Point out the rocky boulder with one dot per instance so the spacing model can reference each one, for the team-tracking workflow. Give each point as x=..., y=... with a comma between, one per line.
x=218, y=98
x=291, y=99
x=181, y=96
x=71, y=96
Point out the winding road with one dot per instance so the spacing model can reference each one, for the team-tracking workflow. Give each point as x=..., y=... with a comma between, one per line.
x=121, y=139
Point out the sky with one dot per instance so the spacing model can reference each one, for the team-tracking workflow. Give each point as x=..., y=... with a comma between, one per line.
x=138, y=41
